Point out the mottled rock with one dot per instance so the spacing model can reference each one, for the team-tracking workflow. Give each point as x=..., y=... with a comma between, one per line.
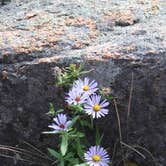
x=36, y=38
x=122, y=18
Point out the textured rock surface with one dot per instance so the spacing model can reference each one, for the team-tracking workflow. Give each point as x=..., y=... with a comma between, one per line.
x=115, y=38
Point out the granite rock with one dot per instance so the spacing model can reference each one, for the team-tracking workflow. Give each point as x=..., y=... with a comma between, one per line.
x=120, y=40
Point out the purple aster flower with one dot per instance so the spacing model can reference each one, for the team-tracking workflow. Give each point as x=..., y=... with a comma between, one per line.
x=95, y=107
x=96, y=156
x=60, y=123
x=75, y=96
x=86, y=86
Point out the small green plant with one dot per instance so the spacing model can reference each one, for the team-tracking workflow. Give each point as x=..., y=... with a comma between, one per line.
x=85, y=105
x=68, y=75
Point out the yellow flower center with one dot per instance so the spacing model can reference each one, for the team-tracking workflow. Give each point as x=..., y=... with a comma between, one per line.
x=96, y=107
x=96, y=158
x=86, y=88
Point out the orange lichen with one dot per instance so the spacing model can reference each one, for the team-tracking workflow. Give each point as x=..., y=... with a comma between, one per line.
x=81, y=21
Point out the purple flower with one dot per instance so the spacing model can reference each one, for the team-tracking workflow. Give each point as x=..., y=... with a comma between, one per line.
x=60, y=123
x=96, y=156
x=75, y=96
x=86, y=86
x=95, y=107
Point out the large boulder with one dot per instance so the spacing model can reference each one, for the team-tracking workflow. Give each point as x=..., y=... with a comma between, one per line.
x=123, y=41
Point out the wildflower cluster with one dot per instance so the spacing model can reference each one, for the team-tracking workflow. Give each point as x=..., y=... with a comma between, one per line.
x=86, y=104
x=84, y=92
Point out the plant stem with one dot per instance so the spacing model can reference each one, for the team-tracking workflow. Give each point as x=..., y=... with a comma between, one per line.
x=120, y=131
x=129, y=105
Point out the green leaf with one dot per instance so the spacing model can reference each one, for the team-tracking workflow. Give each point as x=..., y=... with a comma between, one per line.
x=64, y=144
x=59, y=111
x=74, y=120
x=73, y=161
x=79, y=148
x=51, y=110
x=68, y=75
x=86, y=123
x=77, y=134
x=76, y=108
x=80, y=134
x=69, y=156
x=72, y=67
x=62, y=162
x=49, y=132
x=98, y=137
x=54, y=153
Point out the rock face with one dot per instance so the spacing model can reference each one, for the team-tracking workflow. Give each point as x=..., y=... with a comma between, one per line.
x=120, y=40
